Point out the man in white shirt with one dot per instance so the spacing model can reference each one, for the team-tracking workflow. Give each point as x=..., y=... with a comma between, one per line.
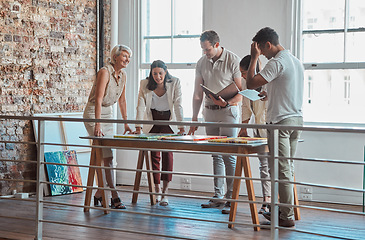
x=217, y=69
x=284, y=76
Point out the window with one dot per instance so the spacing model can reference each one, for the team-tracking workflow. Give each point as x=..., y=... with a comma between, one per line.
x=332, y=33
x=170, y=31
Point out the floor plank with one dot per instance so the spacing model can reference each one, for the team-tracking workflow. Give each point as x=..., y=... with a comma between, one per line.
x=132, y=226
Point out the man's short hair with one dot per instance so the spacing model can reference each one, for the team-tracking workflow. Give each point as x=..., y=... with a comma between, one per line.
x=210, y=36
x=266, y=34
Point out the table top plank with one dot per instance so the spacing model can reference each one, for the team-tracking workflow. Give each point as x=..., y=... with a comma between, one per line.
x=198, y=146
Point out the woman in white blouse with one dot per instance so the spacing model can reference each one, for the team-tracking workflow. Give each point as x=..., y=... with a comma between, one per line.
x=159, y=98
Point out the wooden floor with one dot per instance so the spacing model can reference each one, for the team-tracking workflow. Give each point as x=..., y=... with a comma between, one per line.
x=133, y=226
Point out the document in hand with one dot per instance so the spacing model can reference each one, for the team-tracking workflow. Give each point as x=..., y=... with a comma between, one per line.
x=251, y=94
x=226, y=93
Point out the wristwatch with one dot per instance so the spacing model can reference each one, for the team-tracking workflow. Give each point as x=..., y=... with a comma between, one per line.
x=227, y=105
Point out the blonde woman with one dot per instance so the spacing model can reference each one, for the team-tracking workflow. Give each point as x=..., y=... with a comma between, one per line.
x=108, y=88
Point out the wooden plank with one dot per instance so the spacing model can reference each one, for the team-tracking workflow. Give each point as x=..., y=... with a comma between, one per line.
x=175, y=145
x=296, y=202
x=235, y=192
x=137, y=179
x=90, y=180
x=151, y=183
x=346, y=226
x=250, y=191
x=99, y=173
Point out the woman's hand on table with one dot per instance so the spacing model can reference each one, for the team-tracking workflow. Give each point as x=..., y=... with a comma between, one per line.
x=192, y=130
x=181, y=131
x=127, y=129
x=97, y=130
x=243, y=133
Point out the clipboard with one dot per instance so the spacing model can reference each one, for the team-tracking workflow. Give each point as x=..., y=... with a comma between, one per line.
x=226, y=93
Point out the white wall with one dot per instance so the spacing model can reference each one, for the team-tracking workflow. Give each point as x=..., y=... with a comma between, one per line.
x=237, y=21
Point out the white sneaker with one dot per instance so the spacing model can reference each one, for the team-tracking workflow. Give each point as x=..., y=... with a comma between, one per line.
x=164, y=201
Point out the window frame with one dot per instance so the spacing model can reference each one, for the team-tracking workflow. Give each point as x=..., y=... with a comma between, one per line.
x=296, y=46
x=298, y=37
x=143, y=67
x=146, y=66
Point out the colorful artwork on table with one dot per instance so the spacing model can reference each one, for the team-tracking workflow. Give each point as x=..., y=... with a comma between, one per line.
x=244, y=140
x=63, y=174
x=192, y=138
x=148, y=136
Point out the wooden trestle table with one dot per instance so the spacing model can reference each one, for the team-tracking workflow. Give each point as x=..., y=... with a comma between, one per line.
x=243, y=163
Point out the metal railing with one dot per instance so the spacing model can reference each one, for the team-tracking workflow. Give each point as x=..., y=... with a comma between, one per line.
x=273, y=156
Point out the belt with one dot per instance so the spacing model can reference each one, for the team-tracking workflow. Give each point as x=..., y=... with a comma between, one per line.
x=161, y=112
x=216, y=107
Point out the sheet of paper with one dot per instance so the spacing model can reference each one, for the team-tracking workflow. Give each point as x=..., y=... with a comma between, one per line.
x=251, y=94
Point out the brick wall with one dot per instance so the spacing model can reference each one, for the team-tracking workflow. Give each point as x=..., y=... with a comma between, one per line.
x=47, y=65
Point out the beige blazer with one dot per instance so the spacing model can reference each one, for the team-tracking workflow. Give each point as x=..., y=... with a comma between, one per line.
x=174, y=97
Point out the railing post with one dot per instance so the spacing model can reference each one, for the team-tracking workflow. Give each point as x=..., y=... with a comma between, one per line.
x=40, y=179
x=363, y=185
x=274, y=173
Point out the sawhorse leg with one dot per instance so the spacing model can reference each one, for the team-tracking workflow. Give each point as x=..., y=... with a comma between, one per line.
x=296, y=202
x=143, y=155
x=95, y=160
x=243, y=162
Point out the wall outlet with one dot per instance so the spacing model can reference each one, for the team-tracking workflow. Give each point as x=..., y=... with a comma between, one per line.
x=186, y=180
x=185, y=183
x=306, y=196
x=186, y=186
x=144, y=181
x=305, y=189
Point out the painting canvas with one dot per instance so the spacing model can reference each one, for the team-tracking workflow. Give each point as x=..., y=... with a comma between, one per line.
x=74, y=176
x=63, y=174
x=57, y=173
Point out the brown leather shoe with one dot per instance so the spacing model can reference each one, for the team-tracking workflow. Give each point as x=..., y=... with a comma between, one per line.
x=216, y=203
x=286, y=223
x=282, y=222
x=226, y=208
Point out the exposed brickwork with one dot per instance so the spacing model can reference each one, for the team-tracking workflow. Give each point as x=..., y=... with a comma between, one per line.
x=47, y=63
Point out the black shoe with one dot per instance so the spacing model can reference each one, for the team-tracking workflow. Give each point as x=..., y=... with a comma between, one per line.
x=267, y=215
x=264, y=208
x=117, y=204
x=212, y=204
x=282, y=222
x=227, y=208
x=98, y=202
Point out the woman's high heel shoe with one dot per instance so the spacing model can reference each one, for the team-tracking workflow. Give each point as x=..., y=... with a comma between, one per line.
x=98, y=202
x=116, y=203
x=164, y=202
